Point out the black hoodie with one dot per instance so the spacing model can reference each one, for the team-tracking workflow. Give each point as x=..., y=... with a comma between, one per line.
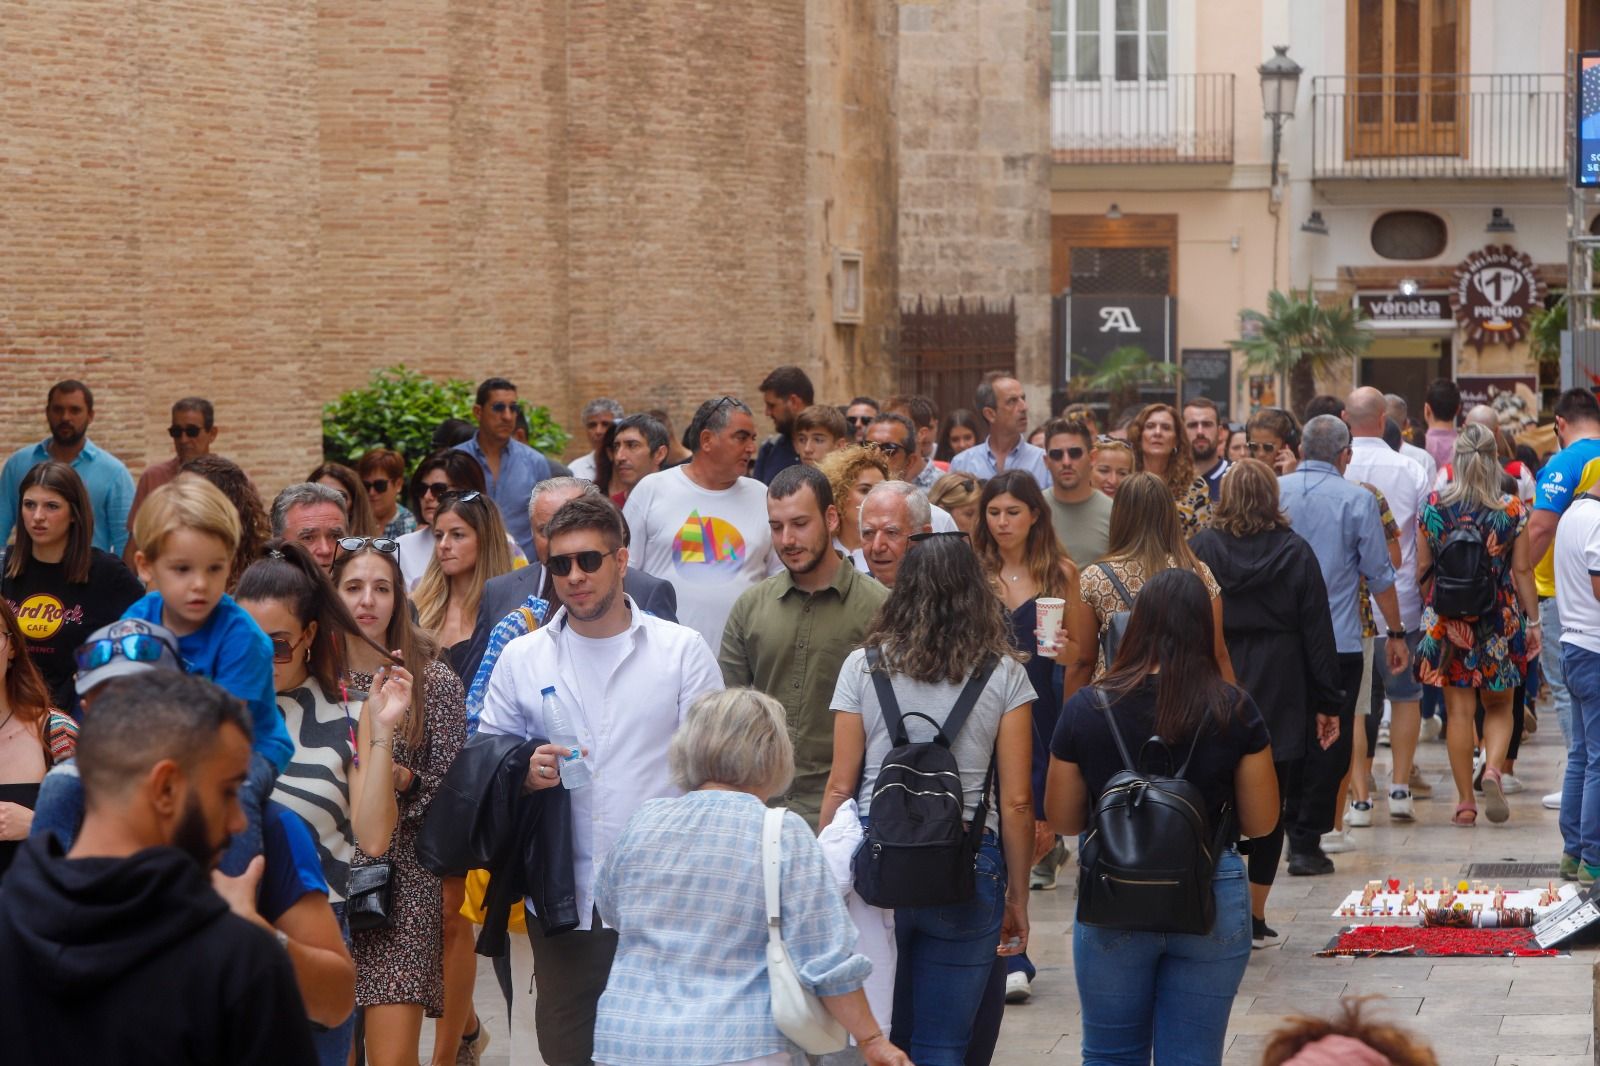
x=1279, y=632
x=138, y=961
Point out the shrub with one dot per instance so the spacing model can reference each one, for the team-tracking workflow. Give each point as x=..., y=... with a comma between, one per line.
x=399, y=409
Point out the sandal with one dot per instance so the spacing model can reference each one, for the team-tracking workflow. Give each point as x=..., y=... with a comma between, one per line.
x=1494, y=796
x=1466, y=815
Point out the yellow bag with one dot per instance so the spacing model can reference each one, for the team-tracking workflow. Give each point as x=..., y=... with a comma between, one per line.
x=472, y=908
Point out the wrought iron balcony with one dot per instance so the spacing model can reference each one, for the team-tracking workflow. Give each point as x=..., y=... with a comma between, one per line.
x=1182, y=118
x=1438, y=126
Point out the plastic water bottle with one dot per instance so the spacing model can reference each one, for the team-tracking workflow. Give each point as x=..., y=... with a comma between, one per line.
x=575, y=773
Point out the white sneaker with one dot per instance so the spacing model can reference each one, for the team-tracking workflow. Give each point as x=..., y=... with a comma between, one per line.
x=1551, y=802
x=1383, y=735
x=1358, y=815
x=1511, y=784
x=1431, y=728
x=1337, y=841
x=1018, y=988
x=1400, y=805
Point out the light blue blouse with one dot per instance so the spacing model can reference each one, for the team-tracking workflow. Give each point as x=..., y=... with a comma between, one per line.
x=683, y=888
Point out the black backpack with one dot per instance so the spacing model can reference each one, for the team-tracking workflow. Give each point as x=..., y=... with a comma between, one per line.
x=1463, y=575
x=917, y=852
x=1151, y=852
x=1117, y=624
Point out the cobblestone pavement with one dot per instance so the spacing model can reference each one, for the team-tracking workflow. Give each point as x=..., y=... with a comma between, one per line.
x=1489, y=1012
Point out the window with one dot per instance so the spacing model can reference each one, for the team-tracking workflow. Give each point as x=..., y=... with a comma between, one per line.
x=1409, y=235
x=1125, y=38
x=1406, y=61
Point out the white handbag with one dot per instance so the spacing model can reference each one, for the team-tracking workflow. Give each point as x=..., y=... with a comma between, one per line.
x=799, y=1014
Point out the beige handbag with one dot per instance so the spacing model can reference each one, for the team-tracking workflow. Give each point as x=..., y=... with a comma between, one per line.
x=799, y=1014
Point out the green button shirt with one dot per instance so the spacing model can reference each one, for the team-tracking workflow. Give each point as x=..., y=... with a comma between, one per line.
x=790, y=644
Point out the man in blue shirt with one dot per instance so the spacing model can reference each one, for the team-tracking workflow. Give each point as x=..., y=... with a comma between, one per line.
x=1001, y=401
x=69, y=410
x=1339, y=519
x=510, y=468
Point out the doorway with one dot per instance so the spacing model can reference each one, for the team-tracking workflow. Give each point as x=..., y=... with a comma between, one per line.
x=1406, y=366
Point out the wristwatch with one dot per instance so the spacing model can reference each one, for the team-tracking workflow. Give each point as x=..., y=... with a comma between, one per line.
x=1397, y=634
x=283, y=938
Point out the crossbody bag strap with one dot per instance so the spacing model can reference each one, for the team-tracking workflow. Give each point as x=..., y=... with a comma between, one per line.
x=772, y=869
x=1116, y=585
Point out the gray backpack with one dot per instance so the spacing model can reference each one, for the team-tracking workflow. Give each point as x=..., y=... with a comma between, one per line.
x=1117, y=624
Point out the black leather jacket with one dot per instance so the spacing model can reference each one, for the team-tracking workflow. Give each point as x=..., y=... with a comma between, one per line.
x=480, y=819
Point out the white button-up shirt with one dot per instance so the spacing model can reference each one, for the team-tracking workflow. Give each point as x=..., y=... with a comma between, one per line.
x=1405, y=486
x=665, y=669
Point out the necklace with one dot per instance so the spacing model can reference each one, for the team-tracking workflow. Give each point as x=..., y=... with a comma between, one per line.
x=7, y=719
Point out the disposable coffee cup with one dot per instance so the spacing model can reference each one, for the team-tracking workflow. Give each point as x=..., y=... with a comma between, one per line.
x=1049, y=612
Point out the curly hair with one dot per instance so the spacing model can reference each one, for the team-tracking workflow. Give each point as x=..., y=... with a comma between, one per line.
x=1390, y=1041
x=942, y=618
x=843, y=466
x=1180, y=468
x=235, y=484
x=1249, y=501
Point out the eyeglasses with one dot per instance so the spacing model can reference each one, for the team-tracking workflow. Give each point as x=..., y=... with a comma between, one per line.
x=1071, y=453
x=135, y=647
x=355, y=544
x=435, y=488
x=502, y=407
x=919, y=537
x=183, y=431
x=283, y=648
x=588, y=562
x=377, y=485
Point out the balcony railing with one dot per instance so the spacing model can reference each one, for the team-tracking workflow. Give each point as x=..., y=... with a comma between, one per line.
x=1438, y=126
x=1182, y=118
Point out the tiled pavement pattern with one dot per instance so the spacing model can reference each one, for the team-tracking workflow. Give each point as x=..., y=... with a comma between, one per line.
x=1488, y=1012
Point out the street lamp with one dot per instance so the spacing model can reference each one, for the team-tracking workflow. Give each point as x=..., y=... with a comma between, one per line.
x=1280, y=85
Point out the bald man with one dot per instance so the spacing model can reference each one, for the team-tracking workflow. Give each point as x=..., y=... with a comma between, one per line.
x=1405, y=486
x=1401, y=413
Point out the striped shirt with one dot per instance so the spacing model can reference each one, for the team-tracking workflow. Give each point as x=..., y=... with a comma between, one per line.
x=316, y=783
x=527, y=617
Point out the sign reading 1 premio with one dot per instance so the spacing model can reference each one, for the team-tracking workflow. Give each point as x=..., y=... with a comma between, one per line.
x=1494, y=291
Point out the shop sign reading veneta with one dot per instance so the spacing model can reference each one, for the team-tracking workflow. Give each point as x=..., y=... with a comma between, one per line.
x=1493, y=293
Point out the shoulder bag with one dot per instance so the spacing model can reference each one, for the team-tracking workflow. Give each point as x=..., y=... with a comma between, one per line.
x=798, y=1012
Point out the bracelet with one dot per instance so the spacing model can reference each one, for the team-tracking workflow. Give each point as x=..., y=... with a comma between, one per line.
x=1397, y=634
x=875, y=1036
x=386, y=745
x=1536, y=624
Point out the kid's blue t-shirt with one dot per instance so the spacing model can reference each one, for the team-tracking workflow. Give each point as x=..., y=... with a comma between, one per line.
x=231, y=650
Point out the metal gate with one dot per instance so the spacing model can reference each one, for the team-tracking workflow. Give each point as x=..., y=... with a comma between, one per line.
x=945, y=349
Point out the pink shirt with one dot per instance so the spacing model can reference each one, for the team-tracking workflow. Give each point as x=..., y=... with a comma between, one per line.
x=153, y=478
x=1441, y=444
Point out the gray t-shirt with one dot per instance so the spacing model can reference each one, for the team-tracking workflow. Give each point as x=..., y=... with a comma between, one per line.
x=1008, y=689
x=1084, y=529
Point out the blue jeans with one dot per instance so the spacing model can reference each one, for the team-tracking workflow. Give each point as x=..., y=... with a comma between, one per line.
x=59, y=809
x=946, y=956
x=1550, y=663
x=1580, y=785
x=253, y=796
x=1166, y=992
x=333, y=1045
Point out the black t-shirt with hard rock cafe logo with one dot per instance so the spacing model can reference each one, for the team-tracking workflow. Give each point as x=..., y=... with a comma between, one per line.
x=56, y=615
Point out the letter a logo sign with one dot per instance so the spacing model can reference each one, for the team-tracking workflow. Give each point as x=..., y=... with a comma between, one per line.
x=1118, y=320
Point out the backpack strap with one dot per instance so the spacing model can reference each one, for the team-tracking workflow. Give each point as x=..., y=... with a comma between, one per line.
x=1111, y=724
x=895, y=720
x=888, y=706
x=1117, y=585
x=1194, y=742
x=966, y=701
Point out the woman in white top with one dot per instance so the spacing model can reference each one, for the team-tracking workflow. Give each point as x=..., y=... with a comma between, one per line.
x=444, y=471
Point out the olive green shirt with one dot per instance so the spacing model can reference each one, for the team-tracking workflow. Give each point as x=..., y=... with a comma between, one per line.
x=790, y=644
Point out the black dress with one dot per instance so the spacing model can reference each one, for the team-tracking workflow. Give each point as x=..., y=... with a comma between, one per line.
x=25, y=795
x=1046, y=705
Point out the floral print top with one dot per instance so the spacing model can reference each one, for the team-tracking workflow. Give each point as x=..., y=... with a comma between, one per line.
x=1488, y=652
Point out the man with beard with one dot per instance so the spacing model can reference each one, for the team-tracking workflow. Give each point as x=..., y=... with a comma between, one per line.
x=789, y=635
x=69, y=411
x=785, y=392
x=624, y=680
x=1205, y=427
x=120, y=950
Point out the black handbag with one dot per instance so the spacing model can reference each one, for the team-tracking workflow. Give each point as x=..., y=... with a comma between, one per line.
x=370, y=903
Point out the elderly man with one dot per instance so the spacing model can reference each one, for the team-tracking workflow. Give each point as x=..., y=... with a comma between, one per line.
x=1340, y=521
x=1000, y=399
x=1405, y=486
x=314, y=515
x=1397, y=409
x=599, y=415
x=892, y=514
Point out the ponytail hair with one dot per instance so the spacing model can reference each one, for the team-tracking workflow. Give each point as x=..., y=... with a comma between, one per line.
x=1476, y=461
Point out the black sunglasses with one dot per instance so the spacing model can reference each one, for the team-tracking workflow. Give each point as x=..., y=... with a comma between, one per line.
x=1256, y=446
x=588, y=562
x=435, y=488
x=377, y=485
x=382, y=544
x=502, y=407
x=887, y=447
x=183, y=431
x=858, y=420
x=1071, y=453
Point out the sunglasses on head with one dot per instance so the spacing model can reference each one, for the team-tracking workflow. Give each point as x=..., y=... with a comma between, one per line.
x=355, y=544
x=502, y=407
x=183, y=431
x=1070, y=453
x=377, y=484
x=588, y=562
x=135, y=647
x=459, y=497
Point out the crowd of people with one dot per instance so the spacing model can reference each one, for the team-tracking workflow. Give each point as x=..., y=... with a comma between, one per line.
x=242, y=723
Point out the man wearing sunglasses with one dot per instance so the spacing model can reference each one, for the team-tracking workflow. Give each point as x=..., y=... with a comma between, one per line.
x=625, y=680
x=1080, y=514
x=859, y=415
x=510, y=468
x=193, y=431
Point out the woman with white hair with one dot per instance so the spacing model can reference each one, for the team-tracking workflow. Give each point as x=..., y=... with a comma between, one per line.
x=683, y=887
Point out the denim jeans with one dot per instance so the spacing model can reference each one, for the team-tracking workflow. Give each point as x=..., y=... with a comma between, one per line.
x=1580, y=785
x=1170, y=993
x=59, y=809
x=333, y=1045
x=253, y=796
x=945, y=957
x=1550, y=663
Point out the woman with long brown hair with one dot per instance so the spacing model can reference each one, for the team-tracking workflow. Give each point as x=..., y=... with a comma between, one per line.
x=469, y=549
x=1276, y=624
x=400, y=968
x=1161, y=447
x=60, y=586
x=1145, y=539
x=33, y=737
x=254, y=526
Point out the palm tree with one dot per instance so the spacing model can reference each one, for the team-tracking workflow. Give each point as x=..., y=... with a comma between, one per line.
x=1120, y=373
x=1302, y=338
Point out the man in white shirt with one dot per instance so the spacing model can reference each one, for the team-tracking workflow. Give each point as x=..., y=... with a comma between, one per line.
x=1395, y=404
x=893, y=513
x=1577, y=577
x=703, y=525
x=625, y=680
x=598, y=417
x=1405, y=486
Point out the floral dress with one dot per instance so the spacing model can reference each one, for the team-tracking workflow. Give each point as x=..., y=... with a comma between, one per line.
x=1194, y=507
x=1488, y=652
